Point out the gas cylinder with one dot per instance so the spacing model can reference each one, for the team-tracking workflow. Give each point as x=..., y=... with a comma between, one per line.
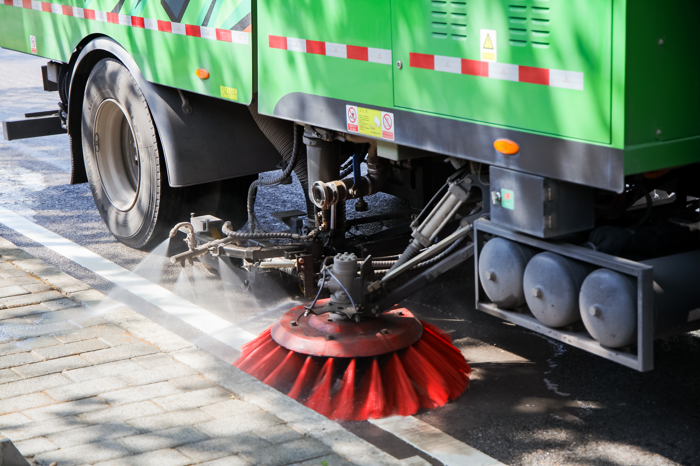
x=501, y=268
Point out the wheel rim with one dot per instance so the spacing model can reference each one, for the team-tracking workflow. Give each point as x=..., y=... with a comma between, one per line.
x=117, y=154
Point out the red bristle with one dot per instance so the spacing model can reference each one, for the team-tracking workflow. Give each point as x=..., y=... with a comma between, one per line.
x=320, y=398
x=372, y=398
x=256, y=342
x=431, y=388
x=402, y=399
x=283, y=377
x=305, y=379
x=268, y=363
x=344, y=400
x=449, y=351
x=456, y=380
x=252, y=358
x=437, y=331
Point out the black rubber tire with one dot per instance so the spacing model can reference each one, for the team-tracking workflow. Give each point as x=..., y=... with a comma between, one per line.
x=155, y=203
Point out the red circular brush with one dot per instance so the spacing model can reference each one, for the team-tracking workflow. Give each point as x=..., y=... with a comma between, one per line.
x=391, y=365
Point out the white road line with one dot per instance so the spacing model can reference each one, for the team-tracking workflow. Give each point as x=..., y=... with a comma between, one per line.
x=224, y=331
x=413, y=431
x=434, y=442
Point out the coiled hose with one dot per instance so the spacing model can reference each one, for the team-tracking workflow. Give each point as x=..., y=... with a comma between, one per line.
x=227, y=229
x=253, y=190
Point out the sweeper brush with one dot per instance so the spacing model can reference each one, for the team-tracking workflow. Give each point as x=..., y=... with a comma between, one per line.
x=392, y=364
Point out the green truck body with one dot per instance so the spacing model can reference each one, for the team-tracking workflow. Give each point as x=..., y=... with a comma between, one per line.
x=613, y=74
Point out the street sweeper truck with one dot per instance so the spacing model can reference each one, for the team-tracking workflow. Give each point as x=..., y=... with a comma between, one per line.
x=554, y=143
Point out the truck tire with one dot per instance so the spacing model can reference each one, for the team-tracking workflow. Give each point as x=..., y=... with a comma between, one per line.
x=123, y=159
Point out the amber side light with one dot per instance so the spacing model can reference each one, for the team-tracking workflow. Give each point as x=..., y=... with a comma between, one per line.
x=506, y=147
x=202, y=73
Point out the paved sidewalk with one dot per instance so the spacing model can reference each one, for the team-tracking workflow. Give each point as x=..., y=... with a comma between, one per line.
x=85, y=380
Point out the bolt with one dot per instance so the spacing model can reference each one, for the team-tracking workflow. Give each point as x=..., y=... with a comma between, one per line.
x=594, y=311
x=301, y=261
x=375, y=310
x=490, y=276
x=659, y=132
x=294, y=323
x=399, y=65
x=661, y=42
x=537, y=293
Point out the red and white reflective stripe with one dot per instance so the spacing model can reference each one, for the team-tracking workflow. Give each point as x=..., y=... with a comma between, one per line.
x=352, y=52
x=494, y=70
x=223, y=35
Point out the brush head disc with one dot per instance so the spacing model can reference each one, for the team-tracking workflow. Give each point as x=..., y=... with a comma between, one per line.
x=331, y=336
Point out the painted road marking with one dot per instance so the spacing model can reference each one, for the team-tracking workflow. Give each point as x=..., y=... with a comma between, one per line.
x=434, y=442
x=413, y=431
x=224, y=331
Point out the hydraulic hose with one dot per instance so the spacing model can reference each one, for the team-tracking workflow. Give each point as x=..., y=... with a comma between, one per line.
x=253, y=190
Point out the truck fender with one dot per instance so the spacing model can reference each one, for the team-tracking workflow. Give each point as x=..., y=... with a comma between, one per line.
x=213, y=140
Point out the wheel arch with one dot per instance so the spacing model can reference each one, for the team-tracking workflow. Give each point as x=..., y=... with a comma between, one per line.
x=228, y=144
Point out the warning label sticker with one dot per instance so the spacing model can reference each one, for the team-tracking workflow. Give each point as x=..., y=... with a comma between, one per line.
x=489, y=45
x=508, y=199
x=372, y=123
x=230, y=93
x=32, y=43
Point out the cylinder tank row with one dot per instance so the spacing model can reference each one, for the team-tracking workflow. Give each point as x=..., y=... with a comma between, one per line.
x=561, y=291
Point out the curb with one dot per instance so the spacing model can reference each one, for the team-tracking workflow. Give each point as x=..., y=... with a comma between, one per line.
x=244, y=386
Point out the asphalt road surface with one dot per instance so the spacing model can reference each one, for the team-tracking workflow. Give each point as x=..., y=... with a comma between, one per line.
x=532, y=401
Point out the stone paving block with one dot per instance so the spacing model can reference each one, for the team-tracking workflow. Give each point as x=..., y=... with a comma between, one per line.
x=121, y=413
x=42, y=428
x=35, y=446
x=86, y=389
x=70, y=349
x=90, y=321
x=90, y=434
x=13, y=420
x=228, y=461
x=73, y=313
x=65, y=283
x=13, y=273
x=162, y=439
x=61, y=304
x=23, y=311
x=19, y=281
x=23, y=346
x=84, y=454
x=164, y=339
x=192, y=382
x=140, y=393
x=278, y=434
x=285, y=453
x=20, y=403
x=23, y=330
x=33, y=385
x=155, y=361
x=35, y=266
x=153, y=458
x=51, y=367
x=244, y=422
x=171, y=419
x=69, y=408
x=34, y=298
x=8, y=375
x=117, y=368
x=221, y=447
x=108, y=332
x=229, y=408
x=8, y=291
x=194, y=399
x=120, y=352
x=157, y=374
x=19, y=359
x=37, y=287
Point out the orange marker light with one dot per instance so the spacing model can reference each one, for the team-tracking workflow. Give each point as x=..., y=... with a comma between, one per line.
x=202, y=73
x=506, y=147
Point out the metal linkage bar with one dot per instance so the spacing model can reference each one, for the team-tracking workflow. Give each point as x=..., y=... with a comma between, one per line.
x=32, y=127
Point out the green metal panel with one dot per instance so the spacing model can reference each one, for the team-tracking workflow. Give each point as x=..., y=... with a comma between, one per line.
x=163, y=57
x=362, y=23
x=570, y=36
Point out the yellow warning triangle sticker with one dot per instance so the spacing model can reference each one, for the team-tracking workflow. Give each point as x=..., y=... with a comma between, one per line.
x=487, y=43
